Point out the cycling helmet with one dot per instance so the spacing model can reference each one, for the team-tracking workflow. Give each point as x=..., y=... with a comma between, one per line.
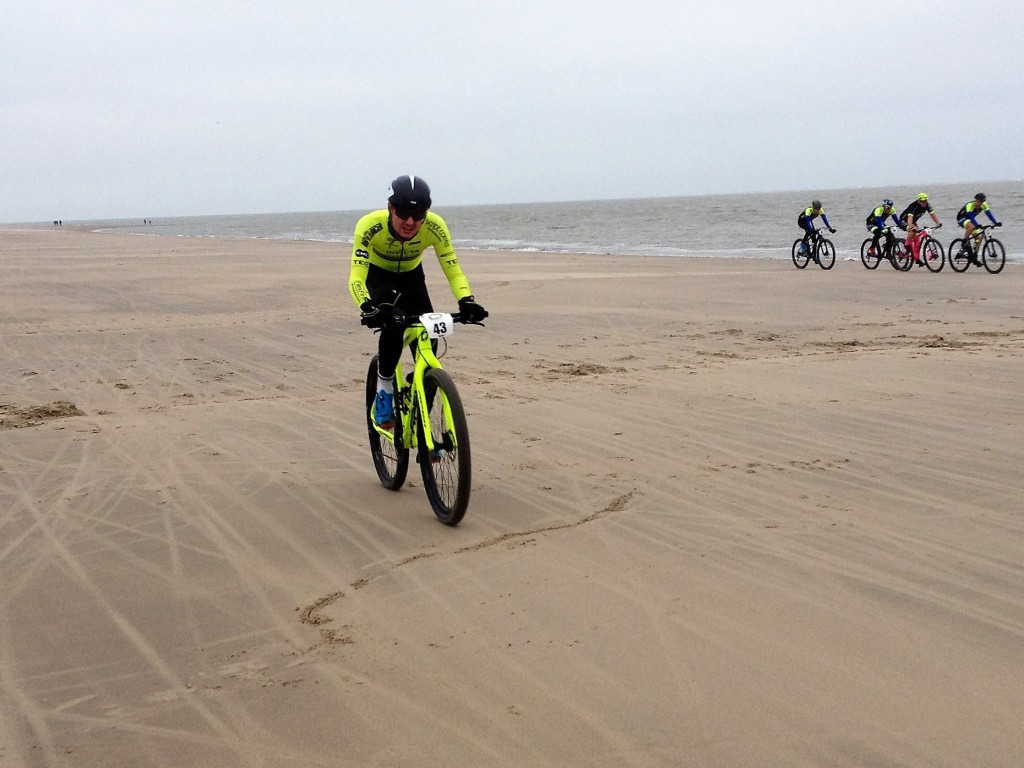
x=980, y=197
x=887, y=203
x=410, y=192
x=923, y=197
x=816, y=204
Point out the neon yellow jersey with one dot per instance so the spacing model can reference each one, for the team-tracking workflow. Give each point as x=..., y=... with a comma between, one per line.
x=374, y=244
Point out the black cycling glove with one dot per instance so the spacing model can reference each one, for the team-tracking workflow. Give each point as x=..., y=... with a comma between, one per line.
x=470, y=310
x=380, y=313
x=371, y=316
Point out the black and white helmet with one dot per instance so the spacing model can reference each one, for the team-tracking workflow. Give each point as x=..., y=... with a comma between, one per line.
x=410, y=192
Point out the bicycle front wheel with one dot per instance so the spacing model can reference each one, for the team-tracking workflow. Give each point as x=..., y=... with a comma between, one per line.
x=993, y=256
x=800, y=258
x=932, y=254
x=871, y=259
x=390, y=460
x=446, y=469
x=900, y=255
x=959, y=261
x=826, y=253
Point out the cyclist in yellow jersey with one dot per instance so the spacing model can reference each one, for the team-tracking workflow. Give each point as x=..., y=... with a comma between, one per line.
x=386, y=276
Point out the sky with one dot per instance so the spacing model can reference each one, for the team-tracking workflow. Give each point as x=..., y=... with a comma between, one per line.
x=126, y=109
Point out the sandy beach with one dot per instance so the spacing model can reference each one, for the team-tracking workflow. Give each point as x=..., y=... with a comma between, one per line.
x=725, y=514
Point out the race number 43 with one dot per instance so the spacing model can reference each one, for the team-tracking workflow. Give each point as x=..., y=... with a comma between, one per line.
x=438, y=324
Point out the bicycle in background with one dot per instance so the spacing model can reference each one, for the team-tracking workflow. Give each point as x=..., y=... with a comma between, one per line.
x=895, y=252
x=820, y=249
x=429, y=417
x=925, y=249
x=991, y=251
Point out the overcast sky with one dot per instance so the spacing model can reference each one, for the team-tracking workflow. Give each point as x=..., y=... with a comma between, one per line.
x=133, y=109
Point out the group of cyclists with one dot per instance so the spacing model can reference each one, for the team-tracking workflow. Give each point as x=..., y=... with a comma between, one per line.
x=908, y=221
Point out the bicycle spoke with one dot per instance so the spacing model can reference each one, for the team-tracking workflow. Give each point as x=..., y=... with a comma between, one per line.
x=389, y=460
x=959, y=261
x=993, y=256
x=800, y=257
x=446, y=466
x=932, y=254
x=871, y=258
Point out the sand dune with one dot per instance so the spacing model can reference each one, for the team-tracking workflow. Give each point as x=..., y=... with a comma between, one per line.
x=724, y=513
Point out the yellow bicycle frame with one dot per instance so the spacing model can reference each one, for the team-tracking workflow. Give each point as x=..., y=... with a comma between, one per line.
x=423, y=359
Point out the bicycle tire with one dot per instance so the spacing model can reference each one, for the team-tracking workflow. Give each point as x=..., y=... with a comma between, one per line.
x=800, y=259
x=900, y=255
x=826, y=253
x=959, y=261
x=871, y=261
x=390, y=460
x=447, y=474
x=932, y=255
x=993, y=256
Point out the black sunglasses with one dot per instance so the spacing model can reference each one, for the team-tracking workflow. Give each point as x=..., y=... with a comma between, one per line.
x=416, y=214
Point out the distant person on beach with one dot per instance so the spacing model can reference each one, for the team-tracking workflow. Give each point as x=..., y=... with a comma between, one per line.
x=911, y=216
x=806, y=222
x=966, y=217
x=876, y=224
x=386, y=276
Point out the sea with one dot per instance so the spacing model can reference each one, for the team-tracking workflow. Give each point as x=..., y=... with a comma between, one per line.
x=758, y=225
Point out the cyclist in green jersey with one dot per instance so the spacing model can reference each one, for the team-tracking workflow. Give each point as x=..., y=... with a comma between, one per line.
x=386, y=277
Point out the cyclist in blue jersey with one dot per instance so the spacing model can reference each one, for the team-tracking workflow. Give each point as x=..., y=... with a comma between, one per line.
x=806, y=222
x=967, y=217
x=876, y=225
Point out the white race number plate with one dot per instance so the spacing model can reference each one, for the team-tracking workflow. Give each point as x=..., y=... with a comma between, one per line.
x=438, y=324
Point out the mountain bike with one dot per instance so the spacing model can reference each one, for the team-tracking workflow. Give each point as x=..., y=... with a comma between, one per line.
x=821, y=249
x=895, y=252
x=429, y=418
x=993, y=255
x=925, y=249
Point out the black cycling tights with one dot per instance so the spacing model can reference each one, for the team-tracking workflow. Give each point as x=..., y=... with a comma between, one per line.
x=413, y=298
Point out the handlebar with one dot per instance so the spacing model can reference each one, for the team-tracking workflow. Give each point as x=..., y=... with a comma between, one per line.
x=399, y=319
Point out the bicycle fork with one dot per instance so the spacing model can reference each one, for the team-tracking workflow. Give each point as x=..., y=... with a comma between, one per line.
x=425, y=360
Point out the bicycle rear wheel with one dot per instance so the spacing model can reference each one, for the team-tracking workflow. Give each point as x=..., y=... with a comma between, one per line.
x=826, y=253
x=447, y=469
x=959, y=261
x=800, y=258
x=993, y=256
x=390, y=460
x=871, y=259
x=932, y=255
x=900, y=255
